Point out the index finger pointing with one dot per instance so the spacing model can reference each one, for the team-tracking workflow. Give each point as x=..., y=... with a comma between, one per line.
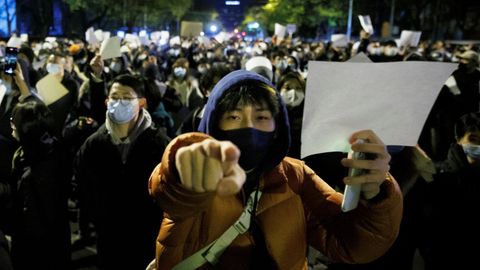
x=229, y=152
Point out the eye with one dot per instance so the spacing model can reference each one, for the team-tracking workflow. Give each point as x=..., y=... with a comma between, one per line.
x=264, y=117
x=232, y=116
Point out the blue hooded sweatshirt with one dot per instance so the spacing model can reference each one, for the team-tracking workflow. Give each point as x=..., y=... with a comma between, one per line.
x=281, y=141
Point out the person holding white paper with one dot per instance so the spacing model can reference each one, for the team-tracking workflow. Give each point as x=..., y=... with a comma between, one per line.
x=64, y=107
x=233, y=200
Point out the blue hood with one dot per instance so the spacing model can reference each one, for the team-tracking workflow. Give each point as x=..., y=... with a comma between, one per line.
x=282, y=135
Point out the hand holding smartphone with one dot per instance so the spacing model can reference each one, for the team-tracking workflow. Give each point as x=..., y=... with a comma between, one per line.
x=10, y=60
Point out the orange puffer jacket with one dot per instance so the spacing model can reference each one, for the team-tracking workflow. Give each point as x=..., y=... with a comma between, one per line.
x=297, y=209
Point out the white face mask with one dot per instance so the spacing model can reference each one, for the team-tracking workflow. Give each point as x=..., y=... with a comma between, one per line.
x=53, y=68
x=391, y=51
x=472, y=151
x=375, y=51
x=203, y=70
x=292, y=97
x=115, y=67
x=122, y=111
x=179, y=72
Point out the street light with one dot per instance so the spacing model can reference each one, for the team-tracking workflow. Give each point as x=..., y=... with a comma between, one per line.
x=213, y=28
x=253, y=25
x=349, y=24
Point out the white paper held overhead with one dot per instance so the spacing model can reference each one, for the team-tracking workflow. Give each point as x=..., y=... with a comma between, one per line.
x=392, y=99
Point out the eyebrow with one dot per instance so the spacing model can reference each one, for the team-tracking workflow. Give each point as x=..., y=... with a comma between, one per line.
x=257, y=108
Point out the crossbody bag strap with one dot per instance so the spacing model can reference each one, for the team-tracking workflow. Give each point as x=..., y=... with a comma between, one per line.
x=212, y=252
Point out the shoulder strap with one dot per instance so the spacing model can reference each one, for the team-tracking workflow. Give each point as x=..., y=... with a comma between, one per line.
x=212, y=252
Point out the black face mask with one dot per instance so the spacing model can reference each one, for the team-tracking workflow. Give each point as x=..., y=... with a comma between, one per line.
x=254, y=145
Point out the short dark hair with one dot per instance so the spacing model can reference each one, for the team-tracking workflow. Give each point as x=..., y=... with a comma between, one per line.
x=291, y=76
x=247, y=93
x=213, y=75
x=32, y=119
x=135, y=82
x=469, y=122
x=28, y=52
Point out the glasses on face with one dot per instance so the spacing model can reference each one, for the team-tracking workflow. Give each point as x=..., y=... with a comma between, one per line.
x=118, y=97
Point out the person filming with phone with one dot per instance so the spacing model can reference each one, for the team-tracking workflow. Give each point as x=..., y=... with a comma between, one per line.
x=233, y=200
x=13, y=89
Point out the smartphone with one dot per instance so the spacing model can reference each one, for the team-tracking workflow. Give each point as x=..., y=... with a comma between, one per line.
x=351, y=194
x=10, y=60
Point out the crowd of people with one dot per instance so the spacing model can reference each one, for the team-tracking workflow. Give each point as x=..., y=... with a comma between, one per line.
x=188, y=154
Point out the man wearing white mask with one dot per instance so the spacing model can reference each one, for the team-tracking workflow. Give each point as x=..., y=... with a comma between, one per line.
x=112, y=169
x=63, y=107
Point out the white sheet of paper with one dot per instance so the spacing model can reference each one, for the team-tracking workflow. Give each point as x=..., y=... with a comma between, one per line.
x=50, y=39
x=155, y=36
x=280, y=31
x=204, y=40
x=165, y=35
x=132, y=40
x=50, y=89
x=410, y=38
x=99, y=35
x=144, y=40
x=110, y=48
x=291, y=28
x=339, y=40
x=24, y=37
x=14, y=41
x=90, y=36
x=175, y=41
x=360, y=57
x=106, y=35
x=3, y=91
x=191, y=29
x=366, y=23
x=392, y=99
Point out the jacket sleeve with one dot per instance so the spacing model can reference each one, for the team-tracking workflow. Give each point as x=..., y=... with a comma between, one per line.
x=357, y=236
x=166, y=189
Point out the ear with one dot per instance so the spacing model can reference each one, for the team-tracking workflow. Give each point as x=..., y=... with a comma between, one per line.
x=142, y=102
x=106, y=102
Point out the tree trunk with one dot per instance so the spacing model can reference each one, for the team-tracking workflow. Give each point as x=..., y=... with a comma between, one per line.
x=178, y=26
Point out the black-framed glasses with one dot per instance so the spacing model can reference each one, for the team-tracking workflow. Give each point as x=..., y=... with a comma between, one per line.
x=122, y=97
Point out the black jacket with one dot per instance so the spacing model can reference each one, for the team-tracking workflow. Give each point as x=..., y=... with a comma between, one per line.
x=114, y=196
x=40, y=226
x=455, y=201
